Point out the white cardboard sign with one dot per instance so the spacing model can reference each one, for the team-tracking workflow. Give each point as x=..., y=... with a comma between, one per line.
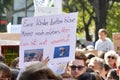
x=50, y=36
x=47, y=7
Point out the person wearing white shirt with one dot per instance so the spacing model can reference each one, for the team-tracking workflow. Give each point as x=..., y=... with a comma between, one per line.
x=103, y=43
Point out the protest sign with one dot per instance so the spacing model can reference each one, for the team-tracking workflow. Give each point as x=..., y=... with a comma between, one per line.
x=13, y=28
x=46, y=11
x=116, y=41
x=47, y=7
x=52, y=36
x=58, y=67
x=43, y=3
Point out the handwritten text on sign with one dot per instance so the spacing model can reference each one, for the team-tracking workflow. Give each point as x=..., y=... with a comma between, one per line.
x=48, y=35
x=50, y=32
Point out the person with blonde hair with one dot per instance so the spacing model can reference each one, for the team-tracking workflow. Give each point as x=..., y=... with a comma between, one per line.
x=111, y=58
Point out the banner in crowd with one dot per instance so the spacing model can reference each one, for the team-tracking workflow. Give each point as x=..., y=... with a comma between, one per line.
x=52, y=36
x=43, y=3
x=47, y=7
x=13, y=28
x=116, y=41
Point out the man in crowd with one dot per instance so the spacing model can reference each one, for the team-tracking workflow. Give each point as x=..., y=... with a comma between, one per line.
x=103, y=43
x=78, y=66
x=97, y=64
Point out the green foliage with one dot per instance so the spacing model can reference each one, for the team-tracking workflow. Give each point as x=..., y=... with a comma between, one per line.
x=5, y=5
x=113, y=15
x=74, y=6
x=83, y=8
x=113, y=19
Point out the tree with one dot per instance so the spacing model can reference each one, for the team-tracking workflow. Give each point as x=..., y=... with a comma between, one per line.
x=113, y=19
x=100, y=7
x=4, y=4
x=85, y=14
x=97, y=11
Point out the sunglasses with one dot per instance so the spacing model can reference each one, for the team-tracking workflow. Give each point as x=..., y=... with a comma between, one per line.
x=73, y=67
x=111, y=57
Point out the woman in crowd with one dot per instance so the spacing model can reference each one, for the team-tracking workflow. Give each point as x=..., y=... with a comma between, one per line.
x=111, y=58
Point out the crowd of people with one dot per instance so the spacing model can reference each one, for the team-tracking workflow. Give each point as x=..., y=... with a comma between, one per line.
x=99, y=62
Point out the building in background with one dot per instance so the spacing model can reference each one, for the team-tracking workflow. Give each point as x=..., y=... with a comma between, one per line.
x=55, y=8
x=27, y=12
